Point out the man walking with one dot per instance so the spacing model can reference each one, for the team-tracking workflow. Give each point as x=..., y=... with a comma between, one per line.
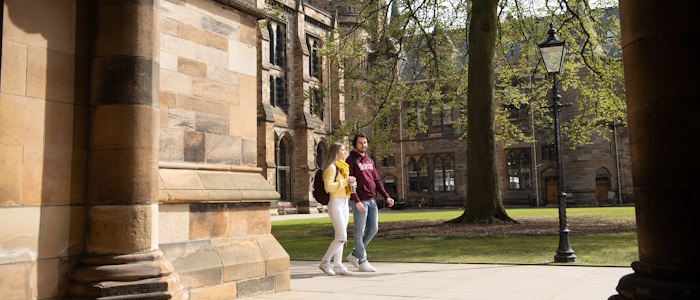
x=365, y=213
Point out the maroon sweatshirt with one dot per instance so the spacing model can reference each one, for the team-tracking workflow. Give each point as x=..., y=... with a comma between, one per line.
x=368, y=181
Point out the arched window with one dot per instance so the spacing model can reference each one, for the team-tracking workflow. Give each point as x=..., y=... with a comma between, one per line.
x=283, y=171
x=320, y=155
x=412, y=175
x=438, y=175
x=518, y=164
x=423, y=176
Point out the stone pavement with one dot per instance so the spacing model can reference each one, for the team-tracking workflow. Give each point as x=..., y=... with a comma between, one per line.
x=453, y=281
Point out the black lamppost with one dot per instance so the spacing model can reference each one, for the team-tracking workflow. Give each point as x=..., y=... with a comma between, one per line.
x=553, y=53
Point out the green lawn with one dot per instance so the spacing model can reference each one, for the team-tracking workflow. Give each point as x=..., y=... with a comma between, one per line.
x=599, y=249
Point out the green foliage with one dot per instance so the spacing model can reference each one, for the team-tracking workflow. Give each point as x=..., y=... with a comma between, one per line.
x=406, y=60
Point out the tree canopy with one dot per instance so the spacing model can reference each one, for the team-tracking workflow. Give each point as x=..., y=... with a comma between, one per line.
x=408, y=61
x=411, y=57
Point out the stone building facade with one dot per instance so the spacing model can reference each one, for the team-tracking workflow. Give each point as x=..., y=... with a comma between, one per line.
x=434, y=166
x=138, y=139
x=298, y=100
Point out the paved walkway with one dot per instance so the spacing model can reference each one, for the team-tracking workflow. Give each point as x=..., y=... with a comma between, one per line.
x=453, y=281
x=381, y=212
x=450, y=281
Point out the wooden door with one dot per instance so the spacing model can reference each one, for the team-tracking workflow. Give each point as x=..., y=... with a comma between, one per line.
x=601, y=188
x=551, y=190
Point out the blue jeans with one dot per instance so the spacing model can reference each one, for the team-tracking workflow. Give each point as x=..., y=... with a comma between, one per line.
x=365, y=224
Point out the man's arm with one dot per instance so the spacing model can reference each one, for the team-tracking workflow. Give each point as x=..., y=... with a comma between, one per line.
x=379, y=184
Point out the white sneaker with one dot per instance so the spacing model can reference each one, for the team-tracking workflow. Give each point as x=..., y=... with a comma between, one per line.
x=326, y=268
x=366, y=267
x=353, y=261
x=342, y=270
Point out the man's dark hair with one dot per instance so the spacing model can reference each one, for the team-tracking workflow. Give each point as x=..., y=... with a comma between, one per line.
x=359, y=135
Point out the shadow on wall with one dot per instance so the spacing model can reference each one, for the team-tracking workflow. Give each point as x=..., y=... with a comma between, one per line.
x=46, y=52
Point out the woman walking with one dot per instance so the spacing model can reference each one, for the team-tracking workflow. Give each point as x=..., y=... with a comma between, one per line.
x=336, y=182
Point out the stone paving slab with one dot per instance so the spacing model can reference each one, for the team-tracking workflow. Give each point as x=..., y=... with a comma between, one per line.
x=453, y=281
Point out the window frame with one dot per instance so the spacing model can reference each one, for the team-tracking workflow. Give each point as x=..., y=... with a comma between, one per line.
x=423, y=180
x=519, y=169
x=278, y=93
x=412, y=170
x=283, y=155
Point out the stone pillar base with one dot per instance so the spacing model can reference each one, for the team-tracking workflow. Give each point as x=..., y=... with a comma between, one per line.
x=651, y=281
x=130, y=276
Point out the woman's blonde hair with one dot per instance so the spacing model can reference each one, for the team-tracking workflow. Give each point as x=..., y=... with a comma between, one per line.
x=332, y=155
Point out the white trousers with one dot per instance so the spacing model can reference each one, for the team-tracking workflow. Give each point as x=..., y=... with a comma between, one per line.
x=340, y=215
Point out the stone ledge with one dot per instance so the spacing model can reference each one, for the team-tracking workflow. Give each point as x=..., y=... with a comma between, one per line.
x=276, y=258
x=180, y=185
x=196, y=262
x=248, y=264
x=241, y=258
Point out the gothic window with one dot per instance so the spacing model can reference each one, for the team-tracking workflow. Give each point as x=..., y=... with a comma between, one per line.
x=518, y=164
x=449, y=174
x=549, y=152
x=278, y=95
x=438, y=175
x=443, y=174
x=283, y=171
x=314, y=57
x=279, y=46
x=434, y=175
x=271, y=32
x=524, y=174
x=412, y=175
x=272, y=91
x=423, y=175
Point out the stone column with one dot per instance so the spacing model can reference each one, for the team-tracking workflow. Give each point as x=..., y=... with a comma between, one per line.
x=121, y=244
x=661, y=60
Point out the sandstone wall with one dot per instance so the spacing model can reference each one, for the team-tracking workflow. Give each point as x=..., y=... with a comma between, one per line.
x=214, y=219
x=43, y=140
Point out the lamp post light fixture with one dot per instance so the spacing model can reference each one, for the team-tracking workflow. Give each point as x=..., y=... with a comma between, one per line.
x=553, y=53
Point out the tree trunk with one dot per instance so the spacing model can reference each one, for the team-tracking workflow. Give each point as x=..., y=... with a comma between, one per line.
x=483, y=196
